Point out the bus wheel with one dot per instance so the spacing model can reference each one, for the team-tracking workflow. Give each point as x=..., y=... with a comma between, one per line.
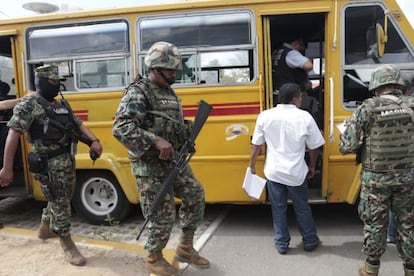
x=100, y=199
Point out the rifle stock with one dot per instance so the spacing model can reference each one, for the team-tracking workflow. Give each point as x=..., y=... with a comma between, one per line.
x=182, y=158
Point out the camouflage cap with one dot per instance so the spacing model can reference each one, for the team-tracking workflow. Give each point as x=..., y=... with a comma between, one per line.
x=385, y=74
x=48, y=71
x=163, y=55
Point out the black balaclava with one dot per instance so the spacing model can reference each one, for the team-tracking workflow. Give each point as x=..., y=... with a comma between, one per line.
x=46, y=89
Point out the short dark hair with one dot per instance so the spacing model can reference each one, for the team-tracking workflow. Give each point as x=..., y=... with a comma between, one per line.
x=4, y=89
x=287, y=92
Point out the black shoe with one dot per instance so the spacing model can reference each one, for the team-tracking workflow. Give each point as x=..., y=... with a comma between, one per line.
x=282, y=250
x=1, y=225
x=312, y=247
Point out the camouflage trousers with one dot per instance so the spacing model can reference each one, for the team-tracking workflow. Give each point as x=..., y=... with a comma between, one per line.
x=58, y=188
x=190, y=213
x=381, y=192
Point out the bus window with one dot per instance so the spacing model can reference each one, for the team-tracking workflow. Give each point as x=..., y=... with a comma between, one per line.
x=216, y=48
x=100, y=73
x=91, y=39
x=359, y=61
x=99, y=59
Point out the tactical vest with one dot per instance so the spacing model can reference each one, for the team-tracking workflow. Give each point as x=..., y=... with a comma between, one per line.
x=43, y=130
x=282, y=73
x=389, y=145
x=165, y=108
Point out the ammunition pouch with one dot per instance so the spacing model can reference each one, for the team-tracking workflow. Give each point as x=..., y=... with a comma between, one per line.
x=37, y=162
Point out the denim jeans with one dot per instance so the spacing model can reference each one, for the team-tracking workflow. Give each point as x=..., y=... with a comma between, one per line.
x=390, y=228
x=278, y=194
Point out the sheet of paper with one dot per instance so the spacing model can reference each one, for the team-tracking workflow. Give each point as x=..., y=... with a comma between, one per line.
x=253, y=184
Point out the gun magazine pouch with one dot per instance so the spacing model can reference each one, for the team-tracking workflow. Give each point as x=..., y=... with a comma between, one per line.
x=37, y=162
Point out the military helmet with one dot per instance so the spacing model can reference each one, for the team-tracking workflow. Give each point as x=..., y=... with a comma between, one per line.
x=163, y=55
x=385, y=74
x=48, y=71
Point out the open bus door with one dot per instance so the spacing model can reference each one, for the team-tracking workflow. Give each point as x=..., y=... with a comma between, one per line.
x=8, y=69
x=279, y=29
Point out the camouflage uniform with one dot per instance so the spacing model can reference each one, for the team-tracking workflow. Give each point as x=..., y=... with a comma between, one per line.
x=138, y=121
x=381, y=132
x=61, y=168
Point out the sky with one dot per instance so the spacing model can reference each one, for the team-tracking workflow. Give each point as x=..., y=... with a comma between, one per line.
x=15, y=8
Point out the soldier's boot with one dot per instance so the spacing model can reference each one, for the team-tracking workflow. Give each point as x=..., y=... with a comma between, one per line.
x=186, y=253
x=369, y=269
x=409, y=270
x=72, y=254
x=155, y=263
x=44, y=231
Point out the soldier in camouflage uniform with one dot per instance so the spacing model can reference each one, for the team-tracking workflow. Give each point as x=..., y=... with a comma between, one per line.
x=149, y=123
x=381, y=131
x=51, y=159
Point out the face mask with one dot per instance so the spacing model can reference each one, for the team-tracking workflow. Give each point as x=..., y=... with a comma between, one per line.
x=46, y=89
x=170, y=80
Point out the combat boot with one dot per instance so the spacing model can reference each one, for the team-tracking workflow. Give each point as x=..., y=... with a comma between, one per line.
x=44, y=231
x=186, y=253
x=72, y=254
x=369, y=269
x=408, y=271
x=155, y=263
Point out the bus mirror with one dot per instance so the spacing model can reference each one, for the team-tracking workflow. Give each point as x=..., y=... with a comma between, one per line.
x=381, y=39
x=372, y=43
x=376, y=39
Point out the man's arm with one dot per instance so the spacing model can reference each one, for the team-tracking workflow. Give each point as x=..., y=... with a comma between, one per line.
x=6, y=173
x=96, y=144
x=255, y=151
x=8, y=104
x=313, y=157
x=308, y=65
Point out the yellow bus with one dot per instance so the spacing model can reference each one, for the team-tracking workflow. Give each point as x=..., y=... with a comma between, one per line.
x=226, y=48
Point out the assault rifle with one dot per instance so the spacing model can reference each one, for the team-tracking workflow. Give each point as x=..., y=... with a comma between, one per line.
x=181, y=159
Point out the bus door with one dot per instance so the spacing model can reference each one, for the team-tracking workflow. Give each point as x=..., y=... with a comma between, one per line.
x=8, y=78
x=279, y=29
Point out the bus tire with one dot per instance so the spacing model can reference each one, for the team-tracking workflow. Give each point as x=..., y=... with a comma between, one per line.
x=99, y=199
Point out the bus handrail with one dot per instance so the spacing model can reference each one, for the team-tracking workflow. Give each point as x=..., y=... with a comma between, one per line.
x=331, y=109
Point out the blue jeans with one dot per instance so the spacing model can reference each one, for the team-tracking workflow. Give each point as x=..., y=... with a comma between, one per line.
x=278, y=194
x=390, y=228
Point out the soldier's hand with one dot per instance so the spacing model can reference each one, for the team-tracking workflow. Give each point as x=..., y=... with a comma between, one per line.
x=166, y=149
x=96, y=147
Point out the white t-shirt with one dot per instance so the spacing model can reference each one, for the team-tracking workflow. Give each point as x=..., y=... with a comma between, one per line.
x=287, y=131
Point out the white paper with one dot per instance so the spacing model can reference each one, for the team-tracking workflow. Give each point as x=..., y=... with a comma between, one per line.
x=253, y=184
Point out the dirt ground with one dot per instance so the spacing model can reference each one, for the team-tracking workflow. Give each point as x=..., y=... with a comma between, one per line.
x=28, y=256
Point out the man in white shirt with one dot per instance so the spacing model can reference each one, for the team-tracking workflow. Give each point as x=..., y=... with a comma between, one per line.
x=287, y=132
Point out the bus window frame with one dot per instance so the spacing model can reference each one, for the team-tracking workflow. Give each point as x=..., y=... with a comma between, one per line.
x=73, y=60
x=364, y=70
x=199, y=50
